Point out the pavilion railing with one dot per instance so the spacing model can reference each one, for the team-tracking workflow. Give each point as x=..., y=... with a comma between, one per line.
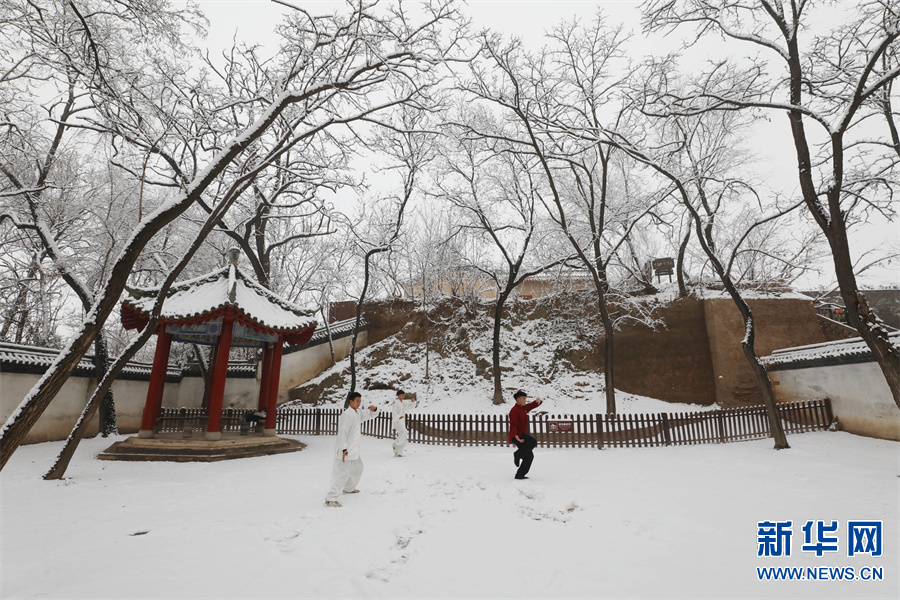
x=173, y=420
x=577, y=431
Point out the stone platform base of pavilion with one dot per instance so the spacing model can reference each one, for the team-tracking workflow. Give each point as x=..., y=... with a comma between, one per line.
x=176, y=449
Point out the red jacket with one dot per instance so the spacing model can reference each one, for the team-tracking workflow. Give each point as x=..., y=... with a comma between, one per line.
x=518, y=420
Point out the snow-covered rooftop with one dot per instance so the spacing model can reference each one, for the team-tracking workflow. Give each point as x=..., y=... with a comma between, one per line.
x=707, y=294
x=37, y=359
x=226, y=287
x=840, y=351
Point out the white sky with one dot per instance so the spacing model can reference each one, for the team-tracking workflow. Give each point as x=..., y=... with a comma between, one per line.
x=254, y=20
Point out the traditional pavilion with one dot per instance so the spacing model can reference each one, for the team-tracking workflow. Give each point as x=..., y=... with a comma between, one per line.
x=223, y=309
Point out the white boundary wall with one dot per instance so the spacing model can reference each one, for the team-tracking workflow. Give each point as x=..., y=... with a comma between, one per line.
x=860, y=397
x=57, y=421
x=299, y=367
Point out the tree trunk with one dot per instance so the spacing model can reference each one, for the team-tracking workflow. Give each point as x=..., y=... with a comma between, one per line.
x=205, y=373
x=20, y=325
x=608, y=355
x=762, y=378
x=748, y=344
x=328, y=333
x=358, y=322
x=427, y=327
x=58, y=469
x=834, y=227
x=108, y=424
x=19, y=305
x=679, y=267
x=495, y=346
x=832, y=224
x=105, y=385
x=36, y=402
x=861, y=317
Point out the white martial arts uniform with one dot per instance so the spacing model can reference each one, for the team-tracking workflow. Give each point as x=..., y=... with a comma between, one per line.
x=399, y=423
x=345, y=474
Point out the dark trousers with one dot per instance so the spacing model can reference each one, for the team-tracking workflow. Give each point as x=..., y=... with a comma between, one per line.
x=524, y=450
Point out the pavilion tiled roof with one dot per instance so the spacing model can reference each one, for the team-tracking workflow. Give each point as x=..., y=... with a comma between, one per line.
x=208, y=297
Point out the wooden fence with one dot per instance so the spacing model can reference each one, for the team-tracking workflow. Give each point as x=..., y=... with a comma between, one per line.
x=324, y=421
x=173, y=420
x=315, y=421
x=576, y=431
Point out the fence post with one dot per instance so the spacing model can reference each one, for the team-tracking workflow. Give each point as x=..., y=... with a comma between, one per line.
x=318, y=421
x=665, y=425
x=829, y=416
x=720, y=426
x=599, y=432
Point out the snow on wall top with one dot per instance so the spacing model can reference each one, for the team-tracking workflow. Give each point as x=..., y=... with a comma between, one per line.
x=339, y=328
x=225, y=287
x=853, y=348
x=40, y=358
x=36, y=356
x=706, y=294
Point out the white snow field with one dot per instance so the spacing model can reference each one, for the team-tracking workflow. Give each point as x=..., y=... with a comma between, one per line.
x=447, y=522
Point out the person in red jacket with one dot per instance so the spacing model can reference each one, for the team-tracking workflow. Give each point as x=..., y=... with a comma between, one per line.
x=518, y=433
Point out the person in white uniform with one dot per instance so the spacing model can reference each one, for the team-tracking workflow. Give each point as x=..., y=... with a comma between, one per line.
x=401, y=405
x=347, y=467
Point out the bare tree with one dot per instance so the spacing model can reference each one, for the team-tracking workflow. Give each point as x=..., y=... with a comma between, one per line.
x=409, y=148
x=335, y=70
x=583, y=145
x=30, y=291
x=328, y=278
x=549, y=99
x=705, y=190
x=496, y=193
x=429, y=258
x=836, y=80
x=51, y=85
x=274, y=226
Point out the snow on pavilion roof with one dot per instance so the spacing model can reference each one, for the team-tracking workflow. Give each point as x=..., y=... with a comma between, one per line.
x=209, y=297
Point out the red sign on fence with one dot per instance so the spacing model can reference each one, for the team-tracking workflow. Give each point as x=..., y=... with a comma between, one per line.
x=560, y=426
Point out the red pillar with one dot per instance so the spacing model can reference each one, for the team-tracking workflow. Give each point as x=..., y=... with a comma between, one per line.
x=274, y=378
x=157, y=381
x=207, y=388
x=217, y=386
x=263, y=400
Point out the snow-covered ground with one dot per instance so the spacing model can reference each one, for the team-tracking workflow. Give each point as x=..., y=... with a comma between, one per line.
x=446, y=522
x=532, y=355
